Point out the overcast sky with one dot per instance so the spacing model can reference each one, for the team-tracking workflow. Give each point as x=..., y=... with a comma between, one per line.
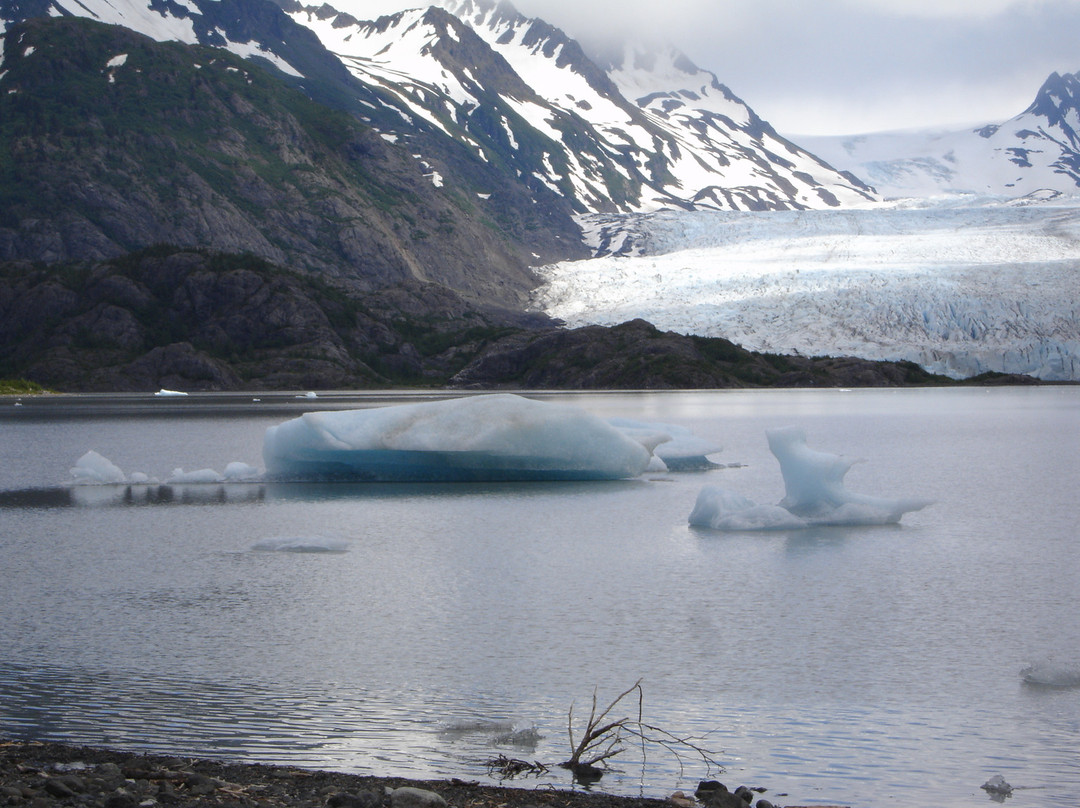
x=847, y=66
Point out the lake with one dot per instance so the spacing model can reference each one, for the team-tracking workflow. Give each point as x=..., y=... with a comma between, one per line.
x=398, y=629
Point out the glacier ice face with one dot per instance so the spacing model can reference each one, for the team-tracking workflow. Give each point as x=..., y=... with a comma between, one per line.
x=474, y=438
x=959, y=290
x=814, y=494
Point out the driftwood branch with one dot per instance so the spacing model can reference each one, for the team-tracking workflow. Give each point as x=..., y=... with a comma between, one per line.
x=603, y=739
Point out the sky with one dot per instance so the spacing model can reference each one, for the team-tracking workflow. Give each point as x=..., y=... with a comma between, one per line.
x=834, y=67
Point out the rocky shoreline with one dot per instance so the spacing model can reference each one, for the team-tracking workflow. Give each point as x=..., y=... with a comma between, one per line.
x=34, y=774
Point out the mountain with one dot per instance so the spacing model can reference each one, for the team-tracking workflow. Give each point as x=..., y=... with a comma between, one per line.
x=631, y=130
x=1037, y=151
x=115, y=142
x=479, y=91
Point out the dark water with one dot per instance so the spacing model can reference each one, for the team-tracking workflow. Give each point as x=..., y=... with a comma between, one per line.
x=399, y=629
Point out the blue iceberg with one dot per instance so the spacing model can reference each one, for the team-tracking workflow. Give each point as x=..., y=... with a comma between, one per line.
x=472, y=439
x=814, y=494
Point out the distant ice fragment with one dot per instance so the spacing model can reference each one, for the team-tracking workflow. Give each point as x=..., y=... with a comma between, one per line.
x=302, y=544
x=814, y=494
x=1052, y=673
x=181, y=477
x=94, y=469
x=241, y=472
x=163, y=392
x=473, y=438
x=996, y=785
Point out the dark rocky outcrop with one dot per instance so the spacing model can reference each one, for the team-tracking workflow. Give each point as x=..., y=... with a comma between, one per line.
x=636, y=355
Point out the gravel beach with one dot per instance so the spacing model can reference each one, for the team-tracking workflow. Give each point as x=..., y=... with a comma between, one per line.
x=50, y=775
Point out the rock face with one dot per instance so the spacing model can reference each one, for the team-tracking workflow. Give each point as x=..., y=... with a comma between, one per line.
x=114, y=143
x=196, y=321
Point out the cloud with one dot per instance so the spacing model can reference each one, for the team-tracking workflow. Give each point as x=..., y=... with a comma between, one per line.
x=854, y=65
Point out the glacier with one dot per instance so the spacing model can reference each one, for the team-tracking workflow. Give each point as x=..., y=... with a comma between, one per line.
x=814, y=494
x=470, y=439
x=960, y=286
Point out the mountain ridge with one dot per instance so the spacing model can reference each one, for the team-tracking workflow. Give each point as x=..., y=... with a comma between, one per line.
x=1037, y=150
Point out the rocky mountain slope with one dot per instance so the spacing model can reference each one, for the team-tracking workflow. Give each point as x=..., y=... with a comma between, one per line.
x=1035, y=152
x=115, y=142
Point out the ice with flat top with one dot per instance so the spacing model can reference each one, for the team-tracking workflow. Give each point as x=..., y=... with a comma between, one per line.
x=814, y=494
x=474, y=438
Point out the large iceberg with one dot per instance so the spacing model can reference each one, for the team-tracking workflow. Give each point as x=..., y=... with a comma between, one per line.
x=814, y=494
x=474, y=438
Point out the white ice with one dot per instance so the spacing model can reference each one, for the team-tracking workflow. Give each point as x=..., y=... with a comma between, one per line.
x=94, y=469
x=677, y=447
x=474, y=438
x=814, y=494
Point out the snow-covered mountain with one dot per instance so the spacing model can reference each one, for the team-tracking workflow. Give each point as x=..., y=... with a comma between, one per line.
x=959, y=289
x=1035, y=151
x=642, y=132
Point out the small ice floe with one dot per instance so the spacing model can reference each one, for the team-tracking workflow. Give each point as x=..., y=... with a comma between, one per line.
x=94, y=469
x=997, y=787
x=301, y=544
x=1052, y=673
x=202, y=476
x=237, y=472
x=165, y=393
x=814, y=494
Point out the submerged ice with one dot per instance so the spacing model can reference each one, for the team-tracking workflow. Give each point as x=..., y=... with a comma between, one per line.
x=814, y=494
x=474, y=438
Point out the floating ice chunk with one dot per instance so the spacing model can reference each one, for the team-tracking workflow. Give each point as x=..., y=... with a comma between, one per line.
x=721, y=509
x=475, y=438
x=181, y=477
x=167, y=393
x=677, y=446
x=240, y=472
x=1051, y=673
x=94, y=469
x=303, y=544
x=996, y=785
x=814, y=494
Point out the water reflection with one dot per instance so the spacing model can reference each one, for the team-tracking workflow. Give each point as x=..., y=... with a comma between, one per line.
x=139, y=494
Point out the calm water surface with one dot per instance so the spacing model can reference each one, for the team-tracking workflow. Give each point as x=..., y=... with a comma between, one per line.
x=860, y=666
